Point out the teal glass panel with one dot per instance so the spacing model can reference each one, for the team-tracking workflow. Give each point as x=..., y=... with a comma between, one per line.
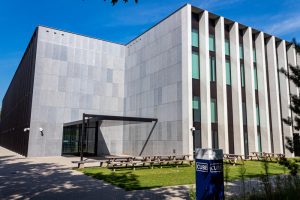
x=255, y=78
x=195, y=65
x=243, y=75
x=259, y=141
x=213, y=109
x=212, y=61
x=196, y=109
x=195, y=38
x=211, y=42
x=227, y=48
x=228, y=73
x=257, y=116
x=241, y=52
x=244, y=109
x=254, y=55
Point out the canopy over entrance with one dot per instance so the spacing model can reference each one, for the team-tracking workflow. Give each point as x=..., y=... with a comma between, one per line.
x=87, y=130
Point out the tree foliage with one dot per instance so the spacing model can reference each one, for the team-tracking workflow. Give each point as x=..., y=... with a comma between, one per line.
x=293, y=74
x=116, y=1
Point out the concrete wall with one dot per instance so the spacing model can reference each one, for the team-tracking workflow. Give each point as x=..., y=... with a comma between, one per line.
x=73, y=75
x=153, y=87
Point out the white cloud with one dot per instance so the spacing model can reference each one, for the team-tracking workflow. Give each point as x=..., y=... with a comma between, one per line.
x=284, y=25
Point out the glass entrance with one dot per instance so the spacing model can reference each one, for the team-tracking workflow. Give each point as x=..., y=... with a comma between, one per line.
x=72, y=141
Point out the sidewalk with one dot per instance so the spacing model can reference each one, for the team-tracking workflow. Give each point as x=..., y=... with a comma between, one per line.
x=52, y=178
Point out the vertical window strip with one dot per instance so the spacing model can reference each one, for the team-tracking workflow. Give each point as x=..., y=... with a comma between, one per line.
x=257, y=115
x=255, y=78
x=196, y=109
x=259, y=142
x=212, y=62
x=241, y=51
x=195, y=37
x=213, y=110
x=242, y=75
x=211, y=42
x=228, y=72
x=227, y=47
x=195, y=65
x=254, y=55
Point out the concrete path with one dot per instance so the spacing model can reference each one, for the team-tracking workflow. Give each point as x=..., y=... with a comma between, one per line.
x=52, y=178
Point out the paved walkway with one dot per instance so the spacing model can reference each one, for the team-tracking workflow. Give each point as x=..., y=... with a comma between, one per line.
x=52, y=178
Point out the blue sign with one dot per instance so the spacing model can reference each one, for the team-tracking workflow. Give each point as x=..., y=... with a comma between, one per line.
x=209, y=174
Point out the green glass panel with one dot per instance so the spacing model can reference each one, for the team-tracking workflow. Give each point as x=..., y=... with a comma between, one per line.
x=195, y=38
x=195, y=65
x=254, y=55
x=228, y=73
x=213, y=111
x=241, y=52
x=212, y=62
x=242, y=75
x=196, y=109
x=211, y=42
x=227, y=48
x=257, y=116
x=255, y=78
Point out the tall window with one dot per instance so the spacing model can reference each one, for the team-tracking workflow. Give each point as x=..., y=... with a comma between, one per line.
x=213, y=110
x=211, y=42
x=255, y=78
x=195, y=37
x=242, y=75
x=244, y=110
x=212, y=61
x=227, y=47
x=195, y=65
x=254, y=55
x=196, y=109
x=228, y=73
x=259, y=142
x=257, y=115
x=215, y=140
x=241, y=51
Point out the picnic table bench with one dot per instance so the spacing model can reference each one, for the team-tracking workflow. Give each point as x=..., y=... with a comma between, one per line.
x=80, y=164
x=267, y=156
x=233, y=158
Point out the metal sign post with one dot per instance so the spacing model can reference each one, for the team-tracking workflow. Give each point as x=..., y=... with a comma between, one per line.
x=209, y=174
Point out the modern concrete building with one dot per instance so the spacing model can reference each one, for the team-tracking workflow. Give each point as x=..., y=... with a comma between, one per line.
x=203, y=80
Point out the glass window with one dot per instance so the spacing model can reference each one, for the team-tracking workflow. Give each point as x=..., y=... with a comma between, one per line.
x=196, y=109
x=213, y=109
x=195, y=65
x=246, y=146
x=228, y=73
x=244, y=109
x=211, y=42
x=195, y=38
x=227, y=48
x=254, y=55
x=197, y=139
x=257, y=115
x=255, y=78
x=212, y=61
x=215, y=140
x=241, y=52
x=259, y=141
x=242, y=75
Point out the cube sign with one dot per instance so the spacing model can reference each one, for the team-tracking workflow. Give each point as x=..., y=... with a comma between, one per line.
x=209, y=174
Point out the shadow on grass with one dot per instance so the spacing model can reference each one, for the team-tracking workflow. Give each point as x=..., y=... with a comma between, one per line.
x=125, y=180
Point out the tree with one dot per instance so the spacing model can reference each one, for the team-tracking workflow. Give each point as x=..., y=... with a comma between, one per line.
x=116, y=1
x=293, y=74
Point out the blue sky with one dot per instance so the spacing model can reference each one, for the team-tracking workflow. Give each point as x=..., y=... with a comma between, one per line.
x=121, y=23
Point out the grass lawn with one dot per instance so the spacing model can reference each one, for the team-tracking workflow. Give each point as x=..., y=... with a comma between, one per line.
x=145, y=178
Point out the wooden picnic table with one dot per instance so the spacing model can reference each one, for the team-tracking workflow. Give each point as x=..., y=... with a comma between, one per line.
x=232, y=158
